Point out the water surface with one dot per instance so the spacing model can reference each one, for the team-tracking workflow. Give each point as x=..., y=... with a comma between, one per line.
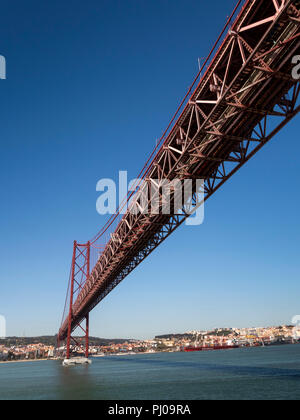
x=255, y=373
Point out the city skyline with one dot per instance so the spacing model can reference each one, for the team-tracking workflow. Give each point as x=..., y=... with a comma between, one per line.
x=201, y=330
x=17, y=349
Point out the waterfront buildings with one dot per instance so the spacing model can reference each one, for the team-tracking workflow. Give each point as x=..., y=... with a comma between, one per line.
x=171, y=342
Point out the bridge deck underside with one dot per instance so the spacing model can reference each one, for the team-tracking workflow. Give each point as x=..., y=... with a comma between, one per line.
x=245, y=97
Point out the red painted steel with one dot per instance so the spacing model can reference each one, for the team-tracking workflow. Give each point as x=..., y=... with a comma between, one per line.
x=246, y=95
x=80, y=272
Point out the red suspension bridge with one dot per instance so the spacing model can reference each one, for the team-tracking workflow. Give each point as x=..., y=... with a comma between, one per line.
x=241, y=98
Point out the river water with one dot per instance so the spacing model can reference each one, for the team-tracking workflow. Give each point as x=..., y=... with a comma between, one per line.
x=252, y=373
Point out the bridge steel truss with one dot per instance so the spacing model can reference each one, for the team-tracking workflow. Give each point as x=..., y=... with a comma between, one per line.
x=80, y=272
x=246, y=96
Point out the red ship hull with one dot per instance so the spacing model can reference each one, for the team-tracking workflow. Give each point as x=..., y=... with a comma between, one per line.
x=188, y=349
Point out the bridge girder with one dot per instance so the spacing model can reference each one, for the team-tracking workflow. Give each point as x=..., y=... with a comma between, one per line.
x=245, y=97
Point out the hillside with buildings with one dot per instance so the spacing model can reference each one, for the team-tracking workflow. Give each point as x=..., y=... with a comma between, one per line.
x=21, y=348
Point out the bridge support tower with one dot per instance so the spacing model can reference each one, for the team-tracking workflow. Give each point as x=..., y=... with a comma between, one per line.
x=80, y=272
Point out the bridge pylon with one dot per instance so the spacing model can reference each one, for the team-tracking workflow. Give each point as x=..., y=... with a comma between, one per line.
x=80, y=273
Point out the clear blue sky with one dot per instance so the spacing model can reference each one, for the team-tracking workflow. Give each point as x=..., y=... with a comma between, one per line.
x=90, y=87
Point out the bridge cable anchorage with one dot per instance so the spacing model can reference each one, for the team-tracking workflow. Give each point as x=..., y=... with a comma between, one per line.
x=243, y=99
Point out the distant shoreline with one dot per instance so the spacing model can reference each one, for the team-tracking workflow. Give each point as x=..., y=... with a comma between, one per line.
x=24, y=361
x=55, y=359
x=128, y=354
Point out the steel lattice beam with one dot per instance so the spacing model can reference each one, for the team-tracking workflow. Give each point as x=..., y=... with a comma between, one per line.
x=245, y=97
